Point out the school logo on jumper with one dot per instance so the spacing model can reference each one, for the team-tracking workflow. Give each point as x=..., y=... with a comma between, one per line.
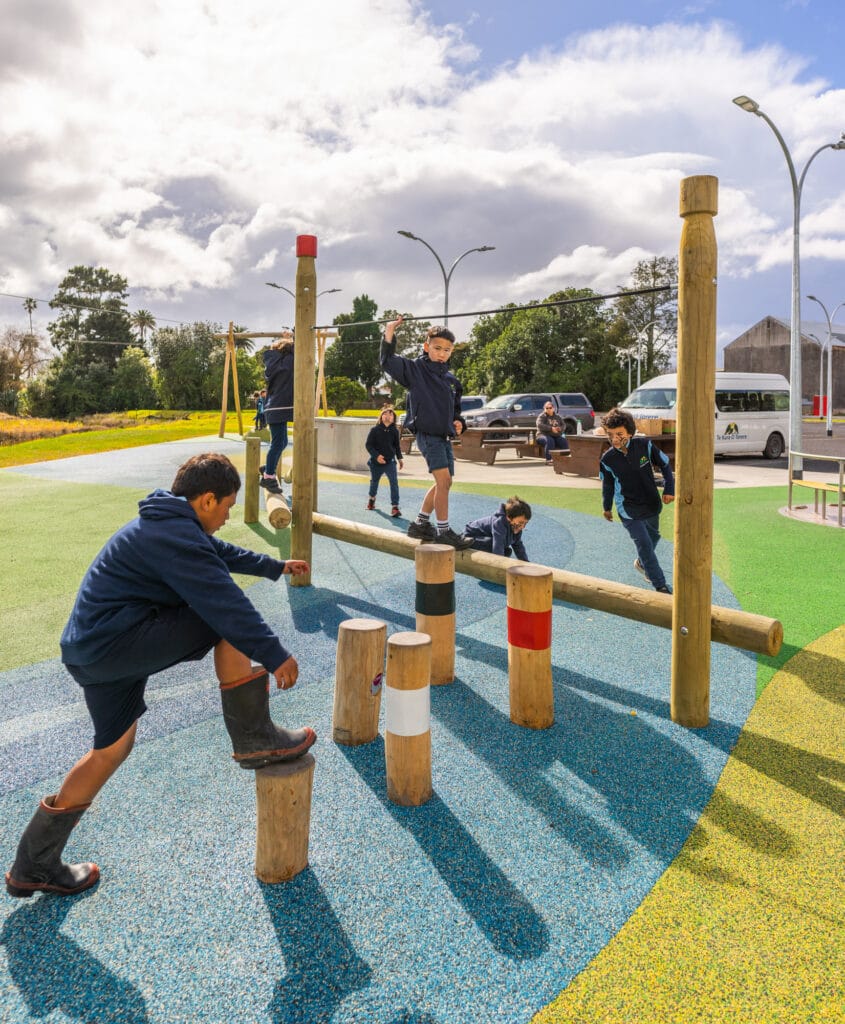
x=643, y=460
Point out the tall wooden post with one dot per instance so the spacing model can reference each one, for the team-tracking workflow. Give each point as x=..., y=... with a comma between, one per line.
x=283, y=798
x=253, y=457
x=693, y=566
x=303, y=404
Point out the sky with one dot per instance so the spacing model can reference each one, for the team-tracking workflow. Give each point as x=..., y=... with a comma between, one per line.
x=186, y=145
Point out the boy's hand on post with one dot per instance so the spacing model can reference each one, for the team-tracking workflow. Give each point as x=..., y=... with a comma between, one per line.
x=295, y=567
x=286, y=674
x=608, y=515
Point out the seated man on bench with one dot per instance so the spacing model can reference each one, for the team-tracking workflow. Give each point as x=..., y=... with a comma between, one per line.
x=550, y=432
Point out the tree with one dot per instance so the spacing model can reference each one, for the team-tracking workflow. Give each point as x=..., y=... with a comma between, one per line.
x=185, y=360
x=73, y=386
x=93, y=314
x=354, y=353
x=132, y=384
x=650, y=321
x=143, y=320
x=342, y=393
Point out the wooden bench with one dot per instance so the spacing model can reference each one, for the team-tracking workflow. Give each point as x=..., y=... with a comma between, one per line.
x=820, y=487
x=482, y=444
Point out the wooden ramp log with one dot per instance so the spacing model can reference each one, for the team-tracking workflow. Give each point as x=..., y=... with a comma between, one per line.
x=730, y=626
x=278, y=511
x=359, y=671
x=283, y=798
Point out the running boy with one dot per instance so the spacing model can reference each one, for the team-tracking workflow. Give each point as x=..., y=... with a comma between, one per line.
x=628, y=482
x=435, y=398
x=501, y=533
x=160, y=593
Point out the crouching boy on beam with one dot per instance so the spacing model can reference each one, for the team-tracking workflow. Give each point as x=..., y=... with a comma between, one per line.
x=160, y=593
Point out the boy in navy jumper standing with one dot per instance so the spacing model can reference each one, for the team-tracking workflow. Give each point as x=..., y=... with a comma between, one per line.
x=435, y=398
x=628, y=482
x=160, y=593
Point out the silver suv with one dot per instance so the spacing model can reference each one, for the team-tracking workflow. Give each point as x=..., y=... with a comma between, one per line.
x=522, y=410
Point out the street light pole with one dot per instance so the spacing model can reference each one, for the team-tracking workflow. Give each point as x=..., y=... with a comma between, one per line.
x=447, y=277
x=640, y=335
x=282, y=288
x=821, y=366
x=830, y=317
x=795, y=388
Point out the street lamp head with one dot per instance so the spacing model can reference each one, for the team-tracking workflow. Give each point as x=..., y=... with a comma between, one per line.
x=487, y=248
x=408, y=234
x=746, y=103
x=812, y=298
x=329, y=291
x=272, y=284
x=841, y=143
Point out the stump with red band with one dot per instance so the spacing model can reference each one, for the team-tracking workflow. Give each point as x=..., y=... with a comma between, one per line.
x=529, y=589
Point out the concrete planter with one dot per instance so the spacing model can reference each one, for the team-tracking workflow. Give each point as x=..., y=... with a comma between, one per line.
x=340, y=442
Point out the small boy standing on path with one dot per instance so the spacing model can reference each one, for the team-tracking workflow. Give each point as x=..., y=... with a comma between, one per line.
x=628, y=482
x=159, y=593
x=501, y=533
x=551, y=432
x=383, y=445
x=435, y=398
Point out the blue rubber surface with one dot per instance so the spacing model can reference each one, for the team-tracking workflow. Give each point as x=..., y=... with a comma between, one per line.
x=479, y=906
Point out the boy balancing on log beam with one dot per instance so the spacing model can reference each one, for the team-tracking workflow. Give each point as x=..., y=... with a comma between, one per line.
x=434, y=401
x=160, y=593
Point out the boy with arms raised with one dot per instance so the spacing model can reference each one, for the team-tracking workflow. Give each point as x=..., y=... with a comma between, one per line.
x=434, y=395
x=160, y=593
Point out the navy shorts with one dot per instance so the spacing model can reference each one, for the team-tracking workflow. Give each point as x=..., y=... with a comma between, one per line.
x=437, y=452
x=114, y=686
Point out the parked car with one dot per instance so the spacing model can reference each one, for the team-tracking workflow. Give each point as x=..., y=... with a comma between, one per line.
x=522, y=410
x=467, y=402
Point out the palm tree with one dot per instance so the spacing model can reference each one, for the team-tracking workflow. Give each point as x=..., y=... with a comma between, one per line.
x=142, y=321
x=29, y=305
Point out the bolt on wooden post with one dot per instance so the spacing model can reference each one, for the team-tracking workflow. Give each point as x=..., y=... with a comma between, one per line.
x=529, y=590
x=435, y=606
x=359, y=673
x=693, y=557
x=283, y=798
x=407, y=731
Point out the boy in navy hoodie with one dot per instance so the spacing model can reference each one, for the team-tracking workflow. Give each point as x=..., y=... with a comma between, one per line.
x=627, y=477
x=434, y=401
x=501, y=533
x=160, y=593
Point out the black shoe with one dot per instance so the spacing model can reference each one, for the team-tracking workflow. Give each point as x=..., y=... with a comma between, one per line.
x=422, y=531
x=664, y=590
x=271, y=484
x=459, y=541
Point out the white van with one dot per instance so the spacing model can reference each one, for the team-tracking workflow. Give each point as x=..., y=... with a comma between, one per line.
x=752, y=410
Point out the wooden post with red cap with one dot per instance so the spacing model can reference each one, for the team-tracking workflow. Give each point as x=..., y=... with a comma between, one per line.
x=305, y=433
x=529, y=589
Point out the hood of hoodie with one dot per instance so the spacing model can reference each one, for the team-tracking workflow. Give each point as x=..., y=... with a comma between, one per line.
x=162, y=504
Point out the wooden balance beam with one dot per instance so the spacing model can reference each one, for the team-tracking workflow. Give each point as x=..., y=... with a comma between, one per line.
x=729, y=626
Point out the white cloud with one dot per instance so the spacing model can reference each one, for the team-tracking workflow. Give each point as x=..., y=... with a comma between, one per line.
x=186, y=145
